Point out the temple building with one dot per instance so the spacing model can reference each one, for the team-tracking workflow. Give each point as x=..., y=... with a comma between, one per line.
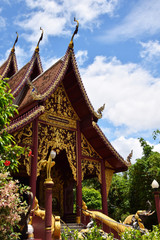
x=56, y=113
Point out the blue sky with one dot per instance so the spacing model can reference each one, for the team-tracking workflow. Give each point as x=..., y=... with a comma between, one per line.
x=117, y=50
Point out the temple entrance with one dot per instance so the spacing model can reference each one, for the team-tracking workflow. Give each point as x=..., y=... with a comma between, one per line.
x=62, y=195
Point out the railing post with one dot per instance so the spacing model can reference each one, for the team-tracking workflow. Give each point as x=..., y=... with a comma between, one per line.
x=48, y=208
x=79, y=175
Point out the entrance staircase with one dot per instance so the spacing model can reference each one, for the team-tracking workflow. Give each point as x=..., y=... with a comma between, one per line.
x=72, y=227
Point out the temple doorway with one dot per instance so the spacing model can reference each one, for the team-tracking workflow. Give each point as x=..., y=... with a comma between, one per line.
x=64, y=183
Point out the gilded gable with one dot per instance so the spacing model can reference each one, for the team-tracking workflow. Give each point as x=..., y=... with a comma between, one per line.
x=87, y=149
x=24, y=135
x=58, y=109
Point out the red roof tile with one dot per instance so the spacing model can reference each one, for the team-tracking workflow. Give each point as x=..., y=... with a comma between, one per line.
x=19, y=80
x=15, y=80
x=3, y=67
x=42, y=82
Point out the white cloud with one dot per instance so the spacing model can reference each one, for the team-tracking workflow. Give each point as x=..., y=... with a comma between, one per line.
x=81, y=57
x=51, y=24
x=57, y=18
x=151, y=50
x=2, y=21
x=47, y=63
x=131, y=94
x=124, y=146
x=21, y=55
x=144, y=18
x=157, y=148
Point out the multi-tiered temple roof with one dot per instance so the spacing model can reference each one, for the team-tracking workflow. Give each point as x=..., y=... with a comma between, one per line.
x=31, y=87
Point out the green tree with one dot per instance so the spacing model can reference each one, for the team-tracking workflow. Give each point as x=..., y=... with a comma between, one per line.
x=92, y=183
x=92, y=198
x=9, y=150
x=141, y=175
x=118, y=199
x=131, y=190
x=91, y=193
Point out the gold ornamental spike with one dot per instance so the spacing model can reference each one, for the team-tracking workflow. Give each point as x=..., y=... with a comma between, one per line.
x=71, y=45
x=40, y=39
x=13, y=48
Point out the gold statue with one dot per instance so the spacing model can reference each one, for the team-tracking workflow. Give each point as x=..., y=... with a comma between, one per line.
x=134, y=221
x=119, y=227
x=49, y=164
x=100, y=110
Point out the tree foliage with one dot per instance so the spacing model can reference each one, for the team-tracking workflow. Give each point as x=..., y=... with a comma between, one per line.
x=130, y=191
x=137, y=235
x=141, y=175
x=91, y=192
x=92, y=198
x=118, y=199
x=9, y=150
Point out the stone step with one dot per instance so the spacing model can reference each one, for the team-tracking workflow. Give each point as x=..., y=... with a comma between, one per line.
x=72, y=227
x=70, y=218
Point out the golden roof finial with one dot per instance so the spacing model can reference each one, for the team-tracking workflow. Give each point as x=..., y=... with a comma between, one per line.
x=75, y=32
x=40, y=39
x=13, y=48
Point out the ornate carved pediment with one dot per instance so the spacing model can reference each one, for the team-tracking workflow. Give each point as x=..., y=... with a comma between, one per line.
x=24, y=135
x=59, y=139
x=91, y=167
x=24, y=138
x=58, y=109
x=87, y=149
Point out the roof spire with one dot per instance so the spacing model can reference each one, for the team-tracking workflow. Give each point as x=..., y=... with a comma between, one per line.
x=13, y=48
x=71, y=45
x=40, y=39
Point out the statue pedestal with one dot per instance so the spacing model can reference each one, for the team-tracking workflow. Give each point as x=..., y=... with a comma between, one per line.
x=48, y=207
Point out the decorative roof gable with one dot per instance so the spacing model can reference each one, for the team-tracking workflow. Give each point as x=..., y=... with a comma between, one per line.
x=25, y=76
x=9, y=67
x=45, y=91
x=22, y=80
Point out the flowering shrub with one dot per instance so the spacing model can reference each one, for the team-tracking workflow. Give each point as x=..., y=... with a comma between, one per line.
x=7, y=163
x=130, y=234
x=95, y=233
x=11, y=206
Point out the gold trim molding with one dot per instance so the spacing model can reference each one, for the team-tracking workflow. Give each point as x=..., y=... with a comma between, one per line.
x=91, y=167
x=59, y=139
x=59, y=111
x=87, y=149
x=108, y=175
x=24, y=137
